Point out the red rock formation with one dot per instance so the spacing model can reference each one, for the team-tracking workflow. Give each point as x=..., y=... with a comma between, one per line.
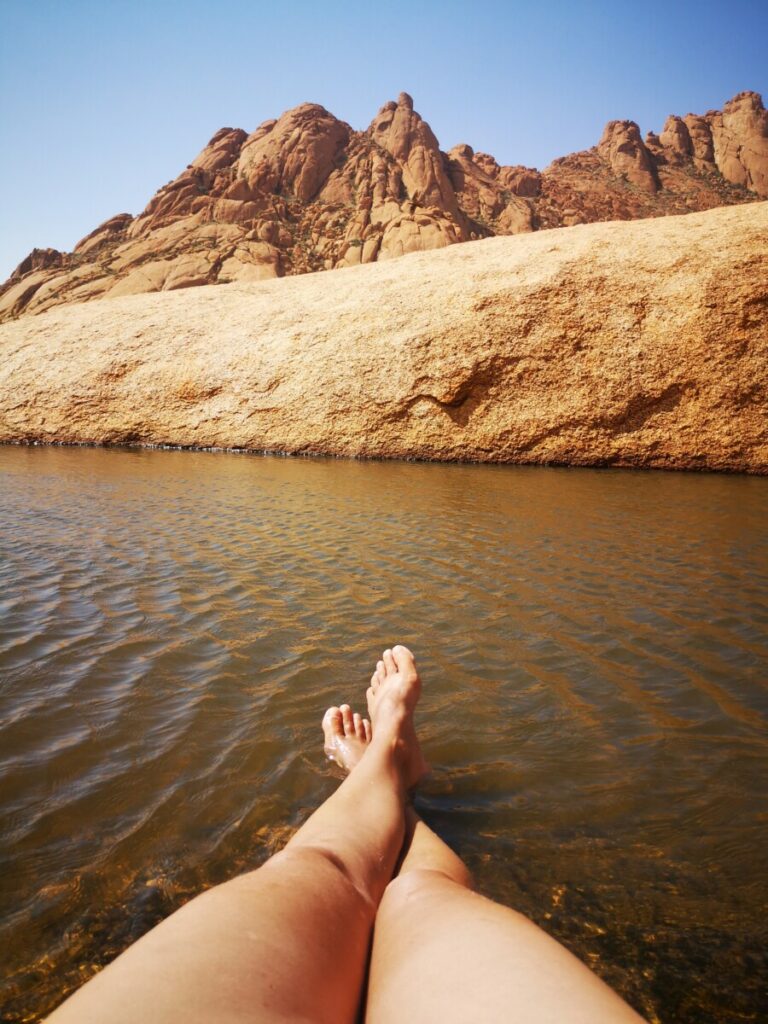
x=675, y=142
x=295, y=154
x=490, y=194
x=740, y=141
x=700, y=133
x=622, y=148
x=39, y=259
x=399, y=129
x=306, y=192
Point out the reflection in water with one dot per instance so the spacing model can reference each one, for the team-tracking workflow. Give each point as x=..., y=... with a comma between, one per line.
x=593, y=643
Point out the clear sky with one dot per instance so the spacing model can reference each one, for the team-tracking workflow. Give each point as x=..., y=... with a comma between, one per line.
x=104, y=102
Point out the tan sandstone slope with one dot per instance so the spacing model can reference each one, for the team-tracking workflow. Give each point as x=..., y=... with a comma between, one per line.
x=306, y=192
x=632, y=344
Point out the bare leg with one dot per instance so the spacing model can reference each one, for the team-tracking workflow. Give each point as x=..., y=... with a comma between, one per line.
x=443, y=953
x=288, y=942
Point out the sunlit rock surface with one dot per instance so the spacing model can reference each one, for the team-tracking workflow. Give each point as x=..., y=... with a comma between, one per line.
x=628, y=344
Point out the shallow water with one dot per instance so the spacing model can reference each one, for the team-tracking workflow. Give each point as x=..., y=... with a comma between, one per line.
x=593, y=644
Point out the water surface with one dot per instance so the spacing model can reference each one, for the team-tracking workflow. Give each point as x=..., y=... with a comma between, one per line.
x=593, y=643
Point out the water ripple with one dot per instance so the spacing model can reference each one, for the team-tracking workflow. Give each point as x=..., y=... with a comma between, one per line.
x=172, y=626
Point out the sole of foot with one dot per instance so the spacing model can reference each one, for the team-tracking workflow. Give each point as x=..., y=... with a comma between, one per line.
x=346, y=735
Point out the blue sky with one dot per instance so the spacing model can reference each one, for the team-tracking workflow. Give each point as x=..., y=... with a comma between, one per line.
x=102, y=103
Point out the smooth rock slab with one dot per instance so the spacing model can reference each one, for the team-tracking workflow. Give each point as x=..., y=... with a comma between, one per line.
x=629, y=344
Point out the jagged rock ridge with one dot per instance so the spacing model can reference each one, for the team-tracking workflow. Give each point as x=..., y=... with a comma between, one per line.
x=306, y=192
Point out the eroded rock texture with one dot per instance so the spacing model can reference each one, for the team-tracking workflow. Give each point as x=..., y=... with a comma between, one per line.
x=305, y=192
x=627, y=344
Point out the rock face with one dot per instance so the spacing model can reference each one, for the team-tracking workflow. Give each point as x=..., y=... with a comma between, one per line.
x=306, y=192
x=622, y=149
x=624, y=344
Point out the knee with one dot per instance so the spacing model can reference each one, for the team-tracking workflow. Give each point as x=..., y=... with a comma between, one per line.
x=324, y=869
x=422, y=884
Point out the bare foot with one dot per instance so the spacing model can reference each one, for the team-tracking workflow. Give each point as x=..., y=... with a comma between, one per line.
x=347, y=736
x=395, y=688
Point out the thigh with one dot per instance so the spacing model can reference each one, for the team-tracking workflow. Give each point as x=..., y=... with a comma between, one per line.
x=288, y=942
x=444, y=953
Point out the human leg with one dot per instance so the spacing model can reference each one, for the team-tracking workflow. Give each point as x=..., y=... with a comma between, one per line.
x=441, y=952
x=289, y=941
x=449, y=954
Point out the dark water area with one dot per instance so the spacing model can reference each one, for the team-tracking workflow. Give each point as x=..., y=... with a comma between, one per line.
x=594, y=652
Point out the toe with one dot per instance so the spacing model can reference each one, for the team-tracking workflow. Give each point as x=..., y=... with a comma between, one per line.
x=381, y=671
x=389, y=662
x=367, y=729
x=348, y=720
x=403, y=659
x=333, y=724
x=359, y=730
x=374, y=682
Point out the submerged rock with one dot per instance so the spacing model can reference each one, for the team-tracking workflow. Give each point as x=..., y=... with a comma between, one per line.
x=623, y=344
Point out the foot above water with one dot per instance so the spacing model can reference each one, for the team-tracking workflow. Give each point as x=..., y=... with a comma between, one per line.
x=392, y=696
x=347, y=736
x=395, y=688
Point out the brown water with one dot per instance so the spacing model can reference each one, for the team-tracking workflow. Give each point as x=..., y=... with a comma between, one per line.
x=593, y=643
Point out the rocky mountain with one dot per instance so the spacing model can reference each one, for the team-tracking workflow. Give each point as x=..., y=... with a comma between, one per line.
x=306, y=192
x=625, y=344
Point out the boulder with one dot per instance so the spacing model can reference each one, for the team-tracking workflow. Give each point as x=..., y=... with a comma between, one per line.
x=700, y=134
x=740, y=140
x=399, y=130
x=623, y=149
x=294, y=154
x=675, y=139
